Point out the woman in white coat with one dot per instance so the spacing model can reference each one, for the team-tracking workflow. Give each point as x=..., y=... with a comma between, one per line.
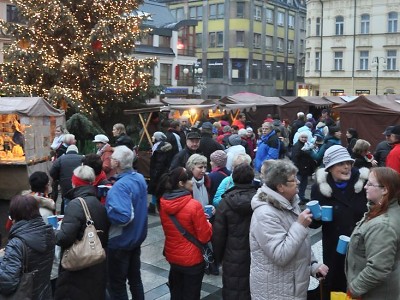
x=281, y=256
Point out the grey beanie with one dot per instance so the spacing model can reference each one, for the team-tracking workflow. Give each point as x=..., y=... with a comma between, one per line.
x=334, y=155
x=159, y=136
x=234, y=139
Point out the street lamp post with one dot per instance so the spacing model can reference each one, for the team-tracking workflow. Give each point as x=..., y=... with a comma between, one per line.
x=375, y=63
x=196, y=71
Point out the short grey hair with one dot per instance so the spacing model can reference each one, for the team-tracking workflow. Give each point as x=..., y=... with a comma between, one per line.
x=196, y=159
x=267, y=125
x=241, y=158
x=361, y=146
x=85, y=173
x=124, y=156
x=278, y=173
x=69, y=139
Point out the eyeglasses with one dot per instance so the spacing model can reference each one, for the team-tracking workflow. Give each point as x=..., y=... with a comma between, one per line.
x=369, y=184
x=293, y=180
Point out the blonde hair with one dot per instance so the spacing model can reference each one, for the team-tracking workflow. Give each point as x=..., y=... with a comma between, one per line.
x=361, y=146
x=120, y=128
x=196, y=159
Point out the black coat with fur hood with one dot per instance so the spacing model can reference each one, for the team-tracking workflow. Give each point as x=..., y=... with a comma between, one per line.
x=349, y=205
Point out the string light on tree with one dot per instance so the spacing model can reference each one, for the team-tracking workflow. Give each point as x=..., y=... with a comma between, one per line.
x=77, y=54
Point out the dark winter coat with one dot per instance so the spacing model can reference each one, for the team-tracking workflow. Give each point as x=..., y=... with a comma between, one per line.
x=349, y=205
x=171, y=138
x=360, y=161
x=303, y=160
x=208, y=145
x=63, y=168
x=381, y=152
x=181, y=158
x=215, y=177
x=159, y=163
x=124, y=140
x=39, y=240
x=89, y=283
x=231, y=240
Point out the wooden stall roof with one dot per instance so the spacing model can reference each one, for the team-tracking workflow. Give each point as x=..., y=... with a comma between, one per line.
x=246, y=97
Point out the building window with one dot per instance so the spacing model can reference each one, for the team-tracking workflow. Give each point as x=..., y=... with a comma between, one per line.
x=240, y=9
x=13, y=15
x=216, y=11
x=308, y=61
x=212, y=40
x=165, y=41
x=308, y=27
x=240, y=38
x=269, y=42
x=238, y=70
x=165, y=74
x=257, y=13
x=291, y=21
x=364, y=60
x=290, y=72
x=215, y=68
x=301, y=46
x=279, y=46
x=280, y=19
x=279, y=71
x=392, y=22
x=391, y=60
x=318, y=26
x=147, y=40
x=196, y=12
x=178, y=13
x=269, y=14
x=290, y=46
x=364, y=24
x=339, y=25
x=317, y=61
x=302, y=23
x=220, y=39
x=268, y=70
x=199, y=37
x=256, y=69
x=257, y=40
x=338, y=61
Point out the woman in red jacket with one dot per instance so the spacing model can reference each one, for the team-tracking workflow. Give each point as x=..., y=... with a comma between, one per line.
x=186, y=261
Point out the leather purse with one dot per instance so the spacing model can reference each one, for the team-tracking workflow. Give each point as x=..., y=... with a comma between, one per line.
x=86, y=252
x=24, y=290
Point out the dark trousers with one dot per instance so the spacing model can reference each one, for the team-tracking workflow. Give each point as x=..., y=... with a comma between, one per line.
x=124, y=265
x=185, y=282
x=303, y=185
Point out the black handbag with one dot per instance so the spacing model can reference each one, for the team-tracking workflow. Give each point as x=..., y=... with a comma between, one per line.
x=206, y=251
x=24, y=290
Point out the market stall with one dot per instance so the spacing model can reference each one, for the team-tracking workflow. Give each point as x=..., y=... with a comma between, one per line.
x=27, y=126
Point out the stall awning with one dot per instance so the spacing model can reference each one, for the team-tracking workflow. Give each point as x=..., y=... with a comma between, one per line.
x=28, y=106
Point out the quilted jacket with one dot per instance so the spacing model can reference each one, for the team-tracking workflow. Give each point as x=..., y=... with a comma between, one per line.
x=280, y=249
x=39, y=240
x=190, y=214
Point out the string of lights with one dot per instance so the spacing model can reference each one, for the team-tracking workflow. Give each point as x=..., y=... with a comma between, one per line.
x=76, y=53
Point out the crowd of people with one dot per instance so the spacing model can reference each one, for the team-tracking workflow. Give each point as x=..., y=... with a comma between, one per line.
x=237, y=190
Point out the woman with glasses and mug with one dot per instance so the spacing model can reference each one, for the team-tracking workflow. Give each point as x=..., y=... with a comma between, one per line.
x=339, y=185
x=281, y=256
x=372, y=261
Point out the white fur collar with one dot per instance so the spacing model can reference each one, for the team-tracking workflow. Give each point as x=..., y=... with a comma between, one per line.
x=326, y=189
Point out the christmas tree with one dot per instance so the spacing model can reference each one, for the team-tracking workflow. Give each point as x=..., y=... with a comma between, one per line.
x=78, y=54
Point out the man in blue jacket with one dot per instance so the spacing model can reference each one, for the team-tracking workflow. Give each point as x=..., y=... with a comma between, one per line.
x=126, y=206
x=268, y=147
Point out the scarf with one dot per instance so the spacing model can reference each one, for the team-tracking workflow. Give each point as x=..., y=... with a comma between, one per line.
x=154, y=148
x=199, y=191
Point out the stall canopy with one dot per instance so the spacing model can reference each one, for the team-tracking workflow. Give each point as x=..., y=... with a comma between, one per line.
x=370, y=115
x=27, y=106
x=304, y=104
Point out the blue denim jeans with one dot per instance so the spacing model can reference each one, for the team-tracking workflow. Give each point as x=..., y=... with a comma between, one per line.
x=124, y=265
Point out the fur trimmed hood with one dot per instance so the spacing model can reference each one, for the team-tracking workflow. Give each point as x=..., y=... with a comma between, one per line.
x=326, y=190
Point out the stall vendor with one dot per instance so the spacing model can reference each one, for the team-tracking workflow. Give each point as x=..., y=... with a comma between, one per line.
x=18, y=138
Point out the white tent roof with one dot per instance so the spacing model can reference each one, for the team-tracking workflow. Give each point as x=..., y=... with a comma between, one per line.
x=28, y=106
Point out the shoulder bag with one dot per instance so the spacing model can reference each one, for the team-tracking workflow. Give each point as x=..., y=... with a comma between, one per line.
x=24, y=290
x=86, y=252
x=206, y=251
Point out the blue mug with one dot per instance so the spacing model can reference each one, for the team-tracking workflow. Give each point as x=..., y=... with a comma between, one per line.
x=342, y=244
x=327, y=213
x=315, y=209
x=53, y=221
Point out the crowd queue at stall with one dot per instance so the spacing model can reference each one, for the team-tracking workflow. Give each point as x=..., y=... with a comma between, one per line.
x=219, y=187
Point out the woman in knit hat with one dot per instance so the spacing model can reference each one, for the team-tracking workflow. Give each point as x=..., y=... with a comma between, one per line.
x=219, y=171
x=341, y=186
x=160, y=154
x=88, y=283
